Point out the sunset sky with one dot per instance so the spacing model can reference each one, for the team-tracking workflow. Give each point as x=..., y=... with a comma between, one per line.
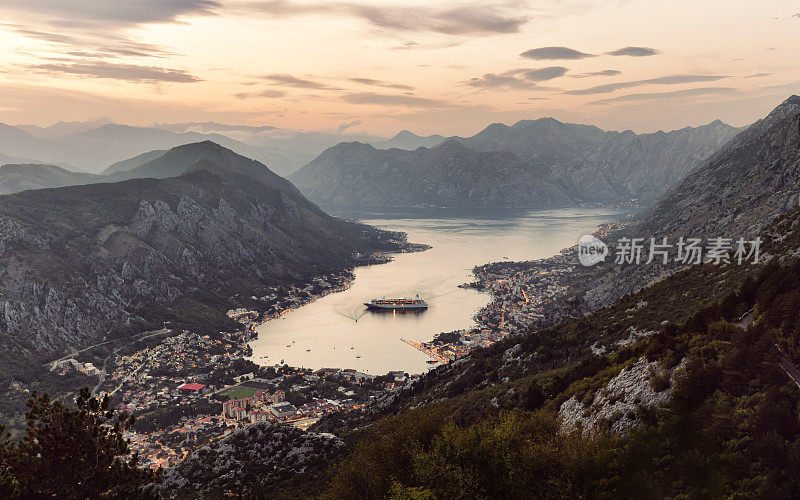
x=383, y=66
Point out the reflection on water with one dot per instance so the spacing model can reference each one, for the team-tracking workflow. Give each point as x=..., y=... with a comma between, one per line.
x=338, y=331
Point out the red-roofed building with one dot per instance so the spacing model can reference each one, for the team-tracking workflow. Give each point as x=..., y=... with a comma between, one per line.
x=191, y=388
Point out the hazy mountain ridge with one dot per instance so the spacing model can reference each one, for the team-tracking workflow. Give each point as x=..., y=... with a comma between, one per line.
x=94, y=149
x=408, y=140
x=450, y=174
x=131, y=163
x=589, y=164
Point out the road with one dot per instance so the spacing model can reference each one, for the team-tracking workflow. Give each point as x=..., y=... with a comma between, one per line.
x=145, y=335
x=790, y=369
x=142, y=336
x=745, y=321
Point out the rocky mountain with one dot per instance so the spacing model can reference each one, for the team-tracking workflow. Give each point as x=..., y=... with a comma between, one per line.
x=450, y=174
x=606, y=166
x=735, y=193
x=591, y=165
x=79, y=263
x=755, y=178
x=409, y=140
x=21, y=177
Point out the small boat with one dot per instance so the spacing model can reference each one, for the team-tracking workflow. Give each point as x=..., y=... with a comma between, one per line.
x=351, y=347
x=281, y=361
x=308, y=350
x=432, y=361
x=358, y=355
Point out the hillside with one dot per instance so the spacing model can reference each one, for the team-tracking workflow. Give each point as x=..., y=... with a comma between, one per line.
x=450, y=174
x=736, y=193
x=81, y=262
x=743, y=187
x=19, y=177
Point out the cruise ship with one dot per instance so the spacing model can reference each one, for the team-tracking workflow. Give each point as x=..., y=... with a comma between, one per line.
x=403, y=304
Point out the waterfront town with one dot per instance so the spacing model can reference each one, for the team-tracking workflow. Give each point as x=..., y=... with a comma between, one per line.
x=186, y=389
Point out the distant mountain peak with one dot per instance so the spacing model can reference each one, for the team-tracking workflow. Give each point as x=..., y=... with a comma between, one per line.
x=405, y=134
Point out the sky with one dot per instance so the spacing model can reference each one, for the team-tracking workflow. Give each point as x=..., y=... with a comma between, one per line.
x=354, y=66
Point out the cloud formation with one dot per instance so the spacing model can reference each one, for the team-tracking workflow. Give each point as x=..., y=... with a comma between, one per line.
x=663, y=80
x=127, y=72
x=293, y=81
x=344, y=126
x=635, y=52
x=478, y=18
x=271, y=93
x=666, y=95
x=544, y=74
x=544, y=53
x=392, y=100
x=379, y=83
x=507, y=80
x=107, y=46
x=605, y=72
x=523, y=79
x=86, y=13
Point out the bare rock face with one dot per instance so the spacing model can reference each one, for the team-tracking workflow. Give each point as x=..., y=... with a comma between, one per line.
x=614, y=407
x=258, y=454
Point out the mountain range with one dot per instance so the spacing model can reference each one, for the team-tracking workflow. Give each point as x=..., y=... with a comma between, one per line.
x=80, y=262
x=449, y=174
x=569, y=163
x=94, y=145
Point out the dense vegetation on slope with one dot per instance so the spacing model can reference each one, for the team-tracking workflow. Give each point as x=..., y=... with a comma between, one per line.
x=70, y=453
x=731, y=427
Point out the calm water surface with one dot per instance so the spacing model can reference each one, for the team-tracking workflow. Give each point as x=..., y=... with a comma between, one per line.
x=337, y=331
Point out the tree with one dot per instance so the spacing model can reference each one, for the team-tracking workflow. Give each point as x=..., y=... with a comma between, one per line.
x=70, y=453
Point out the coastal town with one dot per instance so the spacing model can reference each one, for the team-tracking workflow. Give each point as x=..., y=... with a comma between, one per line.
x=525, y=295
x=187, y=389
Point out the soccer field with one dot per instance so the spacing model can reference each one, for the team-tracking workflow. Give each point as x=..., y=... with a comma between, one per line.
x=240, y=392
